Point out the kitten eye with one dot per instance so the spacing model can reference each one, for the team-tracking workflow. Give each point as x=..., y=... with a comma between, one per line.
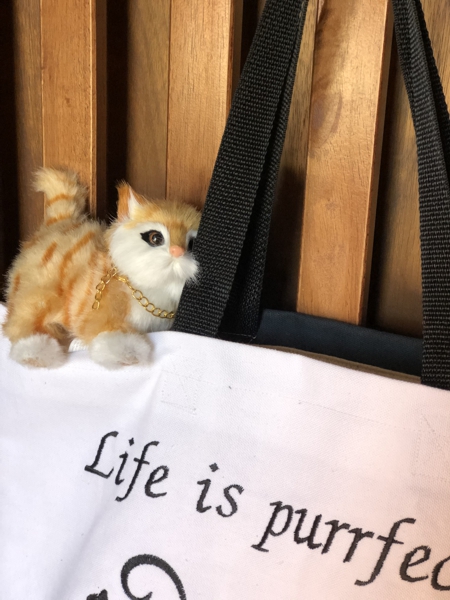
x=153, y=237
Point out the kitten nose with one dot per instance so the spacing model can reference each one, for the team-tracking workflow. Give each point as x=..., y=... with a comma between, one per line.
x=176, y=251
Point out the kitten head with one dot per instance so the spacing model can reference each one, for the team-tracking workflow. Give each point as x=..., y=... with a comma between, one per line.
x=151, y=241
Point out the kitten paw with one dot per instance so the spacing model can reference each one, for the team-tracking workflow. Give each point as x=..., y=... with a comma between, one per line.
x=39, y=351
x=116, y=349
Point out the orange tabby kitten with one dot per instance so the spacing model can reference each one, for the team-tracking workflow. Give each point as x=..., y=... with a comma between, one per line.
x=61, y=286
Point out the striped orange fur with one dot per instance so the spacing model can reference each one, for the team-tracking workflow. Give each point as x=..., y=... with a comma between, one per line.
x=57, y=219
x=49, y=253
x=69, y=257
x=15, y=284
x=56, y=198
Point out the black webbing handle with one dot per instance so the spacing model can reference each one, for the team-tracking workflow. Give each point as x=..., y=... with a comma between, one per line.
x=231, y=244
x=243, y=181
x=432, y=126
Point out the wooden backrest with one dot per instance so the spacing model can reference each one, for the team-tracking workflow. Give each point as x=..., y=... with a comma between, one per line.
x=141, y=90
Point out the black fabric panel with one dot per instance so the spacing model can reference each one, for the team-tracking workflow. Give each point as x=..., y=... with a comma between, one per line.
x=342, y=340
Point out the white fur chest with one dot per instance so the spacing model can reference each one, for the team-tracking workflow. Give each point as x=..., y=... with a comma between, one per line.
x=143, y=321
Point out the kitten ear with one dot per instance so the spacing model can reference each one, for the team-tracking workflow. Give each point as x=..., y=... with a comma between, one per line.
x=128, y=201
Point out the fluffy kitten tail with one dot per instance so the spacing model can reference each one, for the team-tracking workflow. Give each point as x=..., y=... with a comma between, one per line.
x=65, y=196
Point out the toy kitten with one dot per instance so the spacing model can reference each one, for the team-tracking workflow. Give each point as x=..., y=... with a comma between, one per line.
x=107, y=286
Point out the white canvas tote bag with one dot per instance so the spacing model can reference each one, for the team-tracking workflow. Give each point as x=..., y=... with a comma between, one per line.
x=221, y=471
x=227, y=471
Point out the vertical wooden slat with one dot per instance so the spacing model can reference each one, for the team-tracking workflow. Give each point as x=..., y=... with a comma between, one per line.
x=27, y=53
x=202, y=36
x=284, y=243
x=70, y=41
x=148, y=79
x=347, y=116
x=396, y=293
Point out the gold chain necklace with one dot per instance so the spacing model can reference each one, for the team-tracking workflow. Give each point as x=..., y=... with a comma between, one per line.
x=137, y=295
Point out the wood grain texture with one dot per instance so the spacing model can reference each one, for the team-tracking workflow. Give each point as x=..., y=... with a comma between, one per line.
x=27, y=54
x=202, y=40
x=396, y=293
x=346, y=123
x=70, y=42
x=148, y=82
x=282, y=272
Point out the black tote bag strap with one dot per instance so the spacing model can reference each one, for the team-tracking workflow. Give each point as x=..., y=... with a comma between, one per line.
x=432, y=125
x=243, y=181
x=232, y=240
